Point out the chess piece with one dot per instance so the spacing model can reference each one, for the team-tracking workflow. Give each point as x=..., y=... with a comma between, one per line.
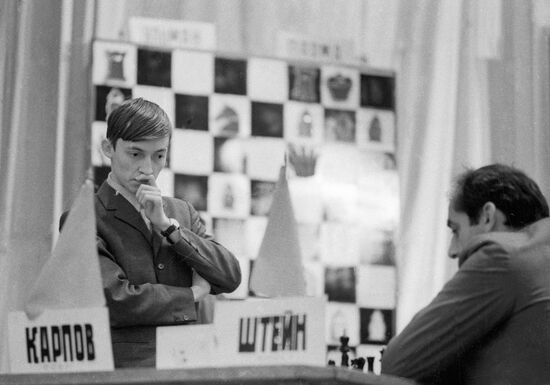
x=339, y=87
x=115, y=69
x=377, y=326
x=228, y=197
x=375, y=130
x=370, y=364
x=344, y=348
x=358, y=363
x=305, y=125
x=228, y=120
x=304, y=87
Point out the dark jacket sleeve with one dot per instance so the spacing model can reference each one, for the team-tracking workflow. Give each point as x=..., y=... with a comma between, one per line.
x=147, y=303
x=471, y=304
x=211, y=260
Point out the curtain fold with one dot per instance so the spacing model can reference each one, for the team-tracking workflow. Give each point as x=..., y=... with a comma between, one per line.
x=31, y=120
x=427, y=100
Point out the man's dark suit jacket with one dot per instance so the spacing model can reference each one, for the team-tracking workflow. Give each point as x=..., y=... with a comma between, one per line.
x=490, y=324
x=147, y=280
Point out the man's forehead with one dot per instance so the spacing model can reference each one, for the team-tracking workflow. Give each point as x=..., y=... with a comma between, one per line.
x=146, y=145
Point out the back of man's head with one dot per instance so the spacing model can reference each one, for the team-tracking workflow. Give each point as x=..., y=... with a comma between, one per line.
x=136, y=120
x=516, y=195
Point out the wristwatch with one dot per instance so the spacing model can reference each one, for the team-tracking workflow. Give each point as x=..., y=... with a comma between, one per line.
x=174, y=226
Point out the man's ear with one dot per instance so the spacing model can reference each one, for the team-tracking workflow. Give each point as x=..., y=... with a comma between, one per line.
x=489, y=218
x=107, y=148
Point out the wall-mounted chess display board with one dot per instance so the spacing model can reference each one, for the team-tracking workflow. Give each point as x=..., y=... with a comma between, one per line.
x=236, y=119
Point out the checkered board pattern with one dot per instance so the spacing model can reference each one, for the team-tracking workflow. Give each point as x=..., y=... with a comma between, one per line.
x=236, y=121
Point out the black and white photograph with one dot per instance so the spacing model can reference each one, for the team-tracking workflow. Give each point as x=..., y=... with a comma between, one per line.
x=351, y=192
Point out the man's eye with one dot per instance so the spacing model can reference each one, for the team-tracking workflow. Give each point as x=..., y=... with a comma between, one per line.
x=161, y=156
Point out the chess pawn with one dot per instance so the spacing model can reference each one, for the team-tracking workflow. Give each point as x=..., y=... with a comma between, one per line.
x=344, y=348
x=228, y=197
x=304, y=127
x=370, y=364
x=375, y=130
x=377, y=326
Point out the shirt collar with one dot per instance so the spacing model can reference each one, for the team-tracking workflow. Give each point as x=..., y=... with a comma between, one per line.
x=119, y=189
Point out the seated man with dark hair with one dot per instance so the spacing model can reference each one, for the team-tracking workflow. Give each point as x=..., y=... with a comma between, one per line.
x=490, y=324
x=157, y=262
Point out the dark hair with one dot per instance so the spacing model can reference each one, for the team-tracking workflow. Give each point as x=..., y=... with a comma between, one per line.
x=138, y=119
x=509, y=189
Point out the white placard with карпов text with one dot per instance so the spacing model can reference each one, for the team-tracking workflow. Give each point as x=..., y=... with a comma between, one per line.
x=66, y=340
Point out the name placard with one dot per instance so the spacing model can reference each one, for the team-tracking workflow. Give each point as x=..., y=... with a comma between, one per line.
x=67, y=340
x=270, y=331
x=185, y=346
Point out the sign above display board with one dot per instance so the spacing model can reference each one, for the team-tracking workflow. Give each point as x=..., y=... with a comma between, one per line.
x=68, y=340
x=302, y=47
x=172, y=33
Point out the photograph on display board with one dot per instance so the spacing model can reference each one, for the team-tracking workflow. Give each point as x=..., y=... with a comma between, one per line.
x=304, y=84
x=261, y=197
x=267, y=119
x=192, y=188
x=229, y=115
x=376, y=325
x=377, y=91
x=340, y=284
x=191, y=112
x=154, y=68
x=229, y=155
x=230, y=76
x=114, y=64
x=340, y=87
x=339, y=126
x=108, y=98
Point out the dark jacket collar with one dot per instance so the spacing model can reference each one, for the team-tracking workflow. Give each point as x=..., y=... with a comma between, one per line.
x=535, y=233
x=122, y=209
